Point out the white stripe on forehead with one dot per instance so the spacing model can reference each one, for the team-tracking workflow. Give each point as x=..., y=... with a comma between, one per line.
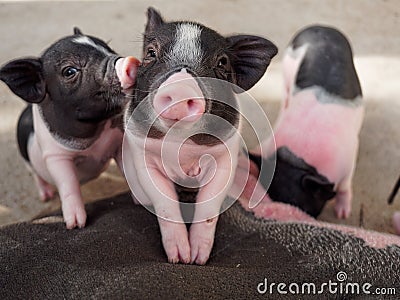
x=84, y=40
x=187, y=47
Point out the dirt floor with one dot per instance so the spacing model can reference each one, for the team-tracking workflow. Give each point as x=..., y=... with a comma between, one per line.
x=372, y=27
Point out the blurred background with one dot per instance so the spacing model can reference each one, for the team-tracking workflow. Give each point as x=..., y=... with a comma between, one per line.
x=372, y=26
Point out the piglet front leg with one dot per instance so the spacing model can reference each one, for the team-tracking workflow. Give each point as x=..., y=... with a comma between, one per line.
x=202, y=240
x=208, y=205
x=165, y=201
x=175, y=241
x=344, y=196
x=63, y=172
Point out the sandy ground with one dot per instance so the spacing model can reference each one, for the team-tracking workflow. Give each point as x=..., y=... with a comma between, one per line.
x=26, y=29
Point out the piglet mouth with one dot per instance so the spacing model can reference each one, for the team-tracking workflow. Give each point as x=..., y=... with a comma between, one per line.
x=186, y=111
x=98, y=113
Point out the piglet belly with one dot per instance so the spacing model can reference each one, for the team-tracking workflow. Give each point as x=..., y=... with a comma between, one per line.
x=89, y=163
x=324, y=135
x=89, y=168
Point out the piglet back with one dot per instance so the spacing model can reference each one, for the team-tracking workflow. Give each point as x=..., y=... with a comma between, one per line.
x=327, y=63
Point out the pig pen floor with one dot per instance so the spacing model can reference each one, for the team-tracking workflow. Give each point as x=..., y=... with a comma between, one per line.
x=372, y=26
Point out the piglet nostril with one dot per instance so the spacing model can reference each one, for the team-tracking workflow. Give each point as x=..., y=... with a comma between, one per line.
x=162, y=104
x=166, y=101
x=179, y=98
x=195, y=107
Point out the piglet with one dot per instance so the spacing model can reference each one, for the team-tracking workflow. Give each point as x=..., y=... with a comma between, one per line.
x=307, y=190
x=184, y=125
x=72, y=126
x=316, y=134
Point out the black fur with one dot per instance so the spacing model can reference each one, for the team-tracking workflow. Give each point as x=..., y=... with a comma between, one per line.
x=328, y=62
x=24, y=131
x=294, y=182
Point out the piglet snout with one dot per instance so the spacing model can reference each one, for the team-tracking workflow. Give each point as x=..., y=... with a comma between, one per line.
x=126, y=68
x=179, y=98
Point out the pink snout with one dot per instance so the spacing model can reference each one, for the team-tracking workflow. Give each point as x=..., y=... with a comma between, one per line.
x=126, y=69
x=179, y=98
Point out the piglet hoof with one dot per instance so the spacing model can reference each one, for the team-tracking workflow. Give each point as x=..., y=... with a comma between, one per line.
x=47, y=193
x=200, y=252
x=343, y=204
x=74, y=215
x=342, y=210
x=201, y=240
x=46, y=190
x=176, y=243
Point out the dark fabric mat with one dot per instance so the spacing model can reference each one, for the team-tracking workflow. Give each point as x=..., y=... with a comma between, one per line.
x=119, y=256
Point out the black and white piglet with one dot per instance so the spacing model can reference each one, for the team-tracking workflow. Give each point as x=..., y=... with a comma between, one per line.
x=316, y=134
x=72, y=125
x=177, y=56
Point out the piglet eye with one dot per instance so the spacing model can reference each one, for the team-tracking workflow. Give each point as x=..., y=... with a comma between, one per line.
x=151, y=53
x=222, y=62
x=69, y=72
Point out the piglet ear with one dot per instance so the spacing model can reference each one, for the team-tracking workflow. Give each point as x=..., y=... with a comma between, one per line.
x=24, y=78
x=77, y=31
x=318, y=186
x=250, y=56
x=154, y=20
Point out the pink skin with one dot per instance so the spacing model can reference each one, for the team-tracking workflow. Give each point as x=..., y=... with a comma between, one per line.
x=179, y=97
x=325, y=135
x=126, y=71
x=396, y=221
x=156, y=161
x=151, y=183
x=246, y=184
x=57, y=165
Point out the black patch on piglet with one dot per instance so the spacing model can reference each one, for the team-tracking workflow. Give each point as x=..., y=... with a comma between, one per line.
x=328, y=62
x=25, y=130
x=295, y=182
